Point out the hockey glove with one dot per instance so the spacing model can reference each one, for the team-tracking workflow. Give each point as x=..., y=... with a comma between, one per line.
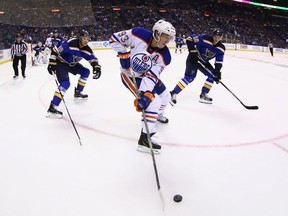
x=52, y=66
x=124, y=59
x=217, y=77
x=96, y=70
x=143, y=102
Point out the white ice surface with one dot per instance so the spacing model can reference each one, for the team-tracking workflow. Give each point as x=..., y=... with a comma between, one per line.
x=222, y=158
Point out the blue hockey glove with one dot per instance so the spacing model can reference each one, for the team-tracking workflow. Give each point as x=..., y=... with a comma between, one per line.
x=143, y=102
x=124, y=59
x=96, y=70
x=52, y=66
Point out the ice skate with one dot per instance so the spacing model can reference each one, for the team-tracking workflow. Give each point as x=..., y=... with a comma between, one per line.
x=204, y=98
x=78, y=96
x=15, y=77
x=162, y=119
x=52, y=112
x=173, y=98
x=143, y=144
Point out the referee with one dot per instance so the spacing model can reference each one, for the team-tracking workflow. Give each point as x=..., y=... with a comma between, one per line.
x=270, y=46
x=19, y=50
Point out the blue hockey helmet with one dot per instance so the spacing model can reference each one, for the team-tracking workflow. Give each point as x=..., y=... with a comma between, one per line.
x=84, y=33
x=217, y=32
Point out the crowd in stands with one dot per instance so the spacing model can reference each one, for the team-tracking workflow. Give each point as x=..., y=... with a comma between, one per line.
x=239, y=23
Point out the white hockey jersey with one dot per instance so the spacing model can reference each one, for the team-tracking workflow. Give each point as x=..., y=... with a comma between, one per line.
x=48, y=42
x=146, y=62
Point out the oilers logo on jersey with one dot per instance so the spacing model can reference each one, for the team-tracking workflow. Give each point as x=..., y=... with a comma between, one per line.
x=141, y=63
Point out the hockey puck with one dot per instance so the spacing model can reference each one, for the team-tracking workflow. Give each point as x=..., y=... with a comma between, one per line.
x=177, y=198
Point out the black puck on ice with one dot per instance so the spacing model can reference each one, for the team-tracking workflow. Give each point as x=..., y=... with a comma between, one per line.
x=177, y=198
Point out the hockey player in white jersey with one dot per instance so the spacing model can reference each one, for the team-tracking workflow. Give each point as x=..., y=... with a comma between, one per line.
x=146, y=60
x=48, y=42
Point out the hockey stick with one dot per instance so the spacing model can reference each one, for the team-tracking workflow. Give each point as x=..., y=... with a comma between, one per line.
x=247, y=107
x=58, y=86
x=57, y=83
x=150, y=144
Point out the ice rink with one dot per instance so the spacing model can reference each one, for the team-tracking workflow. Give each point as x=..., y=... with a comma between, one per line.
x=223, y=159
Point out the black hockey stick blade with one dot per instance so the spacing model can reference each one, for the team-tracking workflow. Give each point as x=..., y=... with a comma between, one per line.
x=247, y=107
x=250, y=107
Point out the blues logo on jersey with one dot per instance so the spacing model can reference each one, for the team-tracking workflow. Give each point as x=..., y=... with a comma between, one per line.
x=208, y=54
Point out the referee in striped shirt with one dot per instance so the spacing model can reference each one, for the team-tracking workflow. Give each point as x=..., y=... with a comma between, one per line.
x=19, y=50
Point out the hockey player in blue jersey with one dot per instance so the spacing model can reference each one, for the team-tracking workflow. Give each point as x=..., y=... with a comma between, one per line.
x=179, y=43
x=39, y=48
x=65, y=59
x=38, y=52
x=56, y=39
x=202, y=48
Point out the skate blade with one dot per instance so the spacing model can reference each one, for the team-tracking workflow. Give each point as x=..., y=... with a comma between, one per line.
x=53, y=116
x=80, y=99
x=162, y=122
x=172, y=103
x=145, y=149
x=205, y=102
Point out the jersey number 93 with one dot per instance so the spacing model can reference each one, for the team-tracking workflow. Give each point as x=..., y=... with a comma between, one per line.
x=123, y=36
